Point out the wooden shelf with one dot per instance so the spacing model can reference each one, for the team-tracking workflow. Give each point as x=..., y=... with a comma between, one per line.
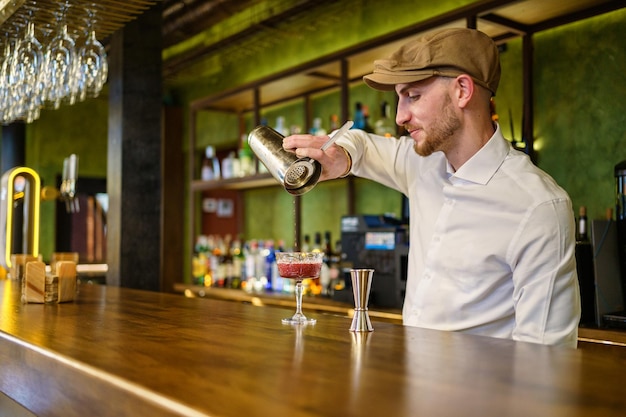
x=245, y=183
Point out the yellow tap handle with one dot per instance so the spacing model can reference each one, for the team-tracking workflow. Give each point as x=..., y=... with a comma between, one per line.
x=49, y=193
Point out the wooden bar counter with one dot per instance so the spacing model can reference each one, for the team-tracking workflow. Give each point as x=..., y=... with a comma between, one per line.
x=121, y=352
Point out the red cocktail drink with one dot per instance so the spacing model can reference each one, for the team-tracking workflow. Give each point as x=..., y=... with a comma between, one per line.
x=299, y=270
x=298, y=266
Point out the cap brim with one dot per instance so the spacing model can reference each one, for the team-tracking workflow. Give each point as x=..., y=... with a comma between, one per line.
x=387, y=82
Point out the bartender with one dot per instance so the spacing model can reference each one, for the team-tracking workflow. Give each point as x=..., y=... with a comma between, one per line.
x=492, y=235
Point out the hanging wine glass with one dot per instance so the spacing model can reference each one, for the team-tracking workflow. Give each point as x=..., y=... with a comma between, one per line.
x=59, y=62
x=10, y=100
x=27, y=78
x=93, y=65
x=5, y=82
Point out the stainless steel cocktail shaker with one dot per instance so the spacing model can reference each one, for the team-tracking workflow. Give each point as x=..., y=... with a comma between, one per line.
x=290, y=171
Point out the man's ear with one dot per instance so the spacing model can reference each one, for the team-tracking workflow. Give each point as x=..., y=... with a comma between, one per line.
x=465, y=89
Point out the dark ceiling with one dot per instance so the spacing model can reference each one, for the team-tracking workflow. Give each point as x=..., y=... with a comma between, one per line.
x=183, y=19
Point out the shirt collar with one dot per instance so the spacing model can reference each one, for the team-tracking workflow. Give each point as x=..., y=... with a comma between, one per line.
x=483, y=165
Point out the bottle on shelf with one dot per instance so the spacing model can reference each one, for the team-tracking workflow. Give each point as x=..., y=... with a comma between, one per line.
x=366, y=116
x=211, y=165
x=334, y=123
x=359, y=117
x=325, y=273
x=201, y=270
x=306, y=244
x=317, y=128
x=238, y=261
x=206, y=172
x=582, y=224
x=336, y=274
x=315, y=287
x=281, y=127
x=260, y=271
x=252, y=249
x=278, y=283
x=270, y=265
x=217, y=263
x=247, y=165
x=385, y=126
x=228, y=166
x=227, y=260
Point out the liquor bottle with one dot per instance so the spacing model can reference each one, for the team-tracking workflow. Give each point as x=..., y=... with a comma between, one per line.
x=334, y=123
x=359, y=117
x=210, y=165
x=315, y=286
x=325, y=276
x=206, y=172
x=385, y=126
x=281, y=127
x=246, y=159
x=261, y=276
x=582, y=224
x=278, y=282
x=336, y=276
x=317, y=129
x=228, y=166
x=366, y=116
x=227, y=260
x=250, y=268
x=238, y=261
x=306, y=246
x=217, y=263
x=270, y=260
x=201, y=265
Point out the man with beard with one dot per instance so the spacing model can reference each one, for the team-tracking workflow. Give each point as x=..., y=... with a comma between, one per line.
x=491, y=235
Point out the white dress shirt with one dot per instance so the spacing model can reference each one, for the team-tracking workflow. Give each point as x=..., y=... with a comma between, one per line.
x=491, y=245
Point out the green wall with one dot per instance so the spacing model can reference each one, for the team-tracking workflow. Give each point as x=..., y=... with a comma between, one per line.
x=580, y=107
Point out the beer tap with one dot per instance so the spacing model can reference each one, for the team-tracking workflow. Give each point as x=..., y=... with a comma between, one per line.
x=68, y=184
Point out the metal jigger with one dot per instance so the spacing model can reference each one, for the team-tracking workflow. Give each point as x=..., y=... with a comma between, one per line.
x=361, y=285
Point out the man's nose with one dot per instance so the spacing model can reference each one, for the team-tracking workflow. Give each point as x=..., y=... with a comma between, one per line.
x=403, y=116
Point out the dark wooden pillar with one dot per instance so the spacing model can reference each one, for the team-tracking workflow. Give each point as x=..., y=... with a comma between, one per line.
x=13, y=151
x=13, y=154
x=134, y=180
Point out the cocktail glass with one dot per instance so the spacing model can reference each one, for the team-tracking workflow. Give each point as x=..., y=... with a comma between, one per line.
x=298, y=266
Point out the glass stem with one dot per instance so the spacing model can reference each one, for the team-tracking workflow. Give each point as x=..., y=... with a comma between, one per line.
x=299, y=297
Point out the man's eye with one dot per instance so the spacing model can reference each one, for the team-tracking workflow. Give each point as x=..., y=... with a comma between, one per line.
x=414, y=97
